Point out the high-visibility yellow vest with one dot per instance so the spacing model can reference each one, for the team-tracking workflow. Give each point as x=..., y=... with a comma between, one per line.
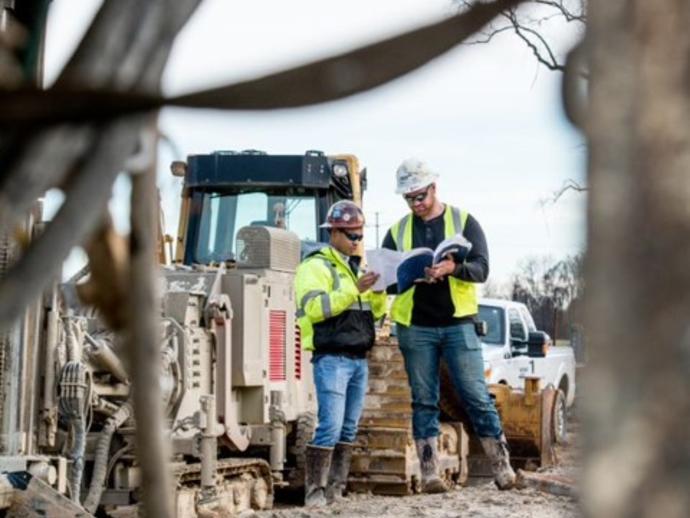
x=463, y=294
x=326, y=287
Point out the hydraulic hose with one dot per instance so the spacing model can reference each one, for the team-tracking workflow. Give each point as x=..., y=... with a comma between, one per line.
x=77, y=456
x=100, y=466
x=73, y=404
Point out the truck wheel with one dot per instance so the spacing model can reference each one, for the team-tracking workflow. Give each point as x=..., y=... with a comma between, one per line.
x=559, y=418
x=304, y=431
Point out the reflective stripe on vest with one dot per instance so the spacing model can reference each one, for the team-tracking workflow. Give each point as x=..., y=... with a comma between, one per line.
x=305, y=324
x=325, y=299
x=402, y=231
x=462, y=293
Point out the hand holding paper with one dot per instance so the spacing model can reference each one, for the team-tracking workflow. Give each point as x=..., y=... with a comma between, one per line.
x=427, y=265
x=367, y=281
x=417, y=265
x=440, y=270
x=384, y=262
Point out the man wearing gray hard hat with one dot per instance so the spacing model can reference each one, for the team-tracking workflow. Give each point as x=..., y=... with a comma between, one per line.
x=436, y=320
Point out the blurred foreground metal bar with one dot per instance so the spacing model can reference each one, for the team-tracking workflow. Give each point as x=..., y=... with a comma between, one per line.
x=78, y=217
x=636, y=413
x=82, y=159
x=321, y=81
x=143, y=349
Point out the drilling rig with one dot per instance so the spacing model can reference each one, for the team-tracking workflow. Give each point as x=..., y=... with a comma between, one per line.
x=237, y=387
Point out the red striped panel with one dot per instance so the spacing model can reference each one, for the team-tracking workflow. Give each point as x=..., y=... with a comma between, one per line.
x=276, y=345
x=298, y=353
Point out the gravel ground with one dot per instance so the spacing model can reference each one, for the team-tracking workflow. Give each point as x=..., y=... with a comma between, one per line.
x=480, y=499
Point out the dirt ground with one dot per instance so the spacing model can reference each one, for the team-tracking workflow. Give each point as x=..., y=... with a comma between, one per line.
x=480, y=499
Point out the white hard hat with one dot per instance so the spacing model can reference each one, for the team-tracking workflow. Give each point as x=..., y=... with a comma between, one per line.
x=413, y=175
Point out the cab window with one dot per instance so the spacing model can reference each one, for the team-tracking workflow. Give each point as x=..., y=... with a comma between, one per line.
x=495, y=323
x=223, y=215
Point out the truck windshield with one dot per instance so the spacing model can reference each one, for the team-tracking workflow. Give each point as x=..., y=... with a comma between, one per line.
x=495, y=321
x=222, y=215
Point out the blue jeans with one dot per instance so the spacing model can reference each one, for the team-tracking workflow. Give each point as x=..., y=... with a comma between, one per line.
x=341, y=384
x=459, y=346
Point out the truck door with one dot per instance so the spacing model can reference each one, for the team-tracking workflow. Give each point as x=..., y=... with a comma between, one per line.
x=546, y=368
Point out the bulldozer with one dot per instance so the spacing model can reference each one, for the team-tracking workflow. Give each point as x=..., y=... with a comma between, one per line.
x=238, y=389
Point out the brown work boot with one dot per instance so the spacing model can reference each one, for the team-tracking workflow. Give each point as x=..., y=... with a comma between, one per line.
x=497, y=451
x=427, y=451
x=340, y=468
x=316, y=468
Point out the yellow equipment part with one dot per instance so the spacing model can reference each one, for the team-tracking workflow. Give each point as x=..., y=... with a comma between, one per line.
x=526, y=415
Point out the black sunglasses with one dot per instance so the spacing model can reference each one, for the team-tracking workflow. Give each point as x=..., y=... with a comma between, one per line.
x=353, y=237
x=411, y=199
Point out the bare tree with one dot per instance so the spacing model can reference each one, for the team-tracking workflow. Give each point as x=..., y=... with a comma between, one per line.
x=552, y=30
x=568, y=185
x=539, y=24
x=548, y=287
x=495, y=290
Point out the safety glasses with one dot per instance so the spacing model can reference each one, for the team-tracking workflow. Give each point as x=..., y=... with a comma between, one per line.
x=353, y=237
x=417, y=198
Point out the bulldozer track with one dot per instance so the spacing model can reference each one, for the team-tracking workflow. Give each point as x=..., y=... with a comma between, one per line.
x=385, y=460
x=304, y=430
x=241, y=484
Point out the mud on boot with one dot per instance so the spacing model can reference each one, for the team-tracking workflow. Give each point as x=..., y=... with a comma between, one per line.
x=497, y=451
x=427, y=452
x=340, y=468
x=316, y=468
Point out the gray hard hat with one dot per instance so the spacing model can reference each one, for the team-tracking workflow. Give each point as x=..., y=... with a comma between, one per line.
x=413, y=175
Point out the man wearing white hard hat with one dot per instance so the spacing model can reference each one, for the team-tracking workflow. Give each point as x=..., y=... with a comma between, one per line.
x=435, y=321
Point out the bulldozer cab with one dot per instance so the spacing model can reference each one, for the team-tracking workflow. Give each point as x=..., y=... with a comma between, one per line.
x=225, y=191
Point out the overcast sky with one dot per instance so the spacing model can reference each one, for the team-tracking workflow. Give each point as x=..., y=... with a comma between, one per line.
x=487, y=118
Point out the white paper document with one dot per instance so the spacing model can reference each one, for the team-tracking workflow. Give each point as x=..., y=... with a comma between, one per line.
x=384, y=262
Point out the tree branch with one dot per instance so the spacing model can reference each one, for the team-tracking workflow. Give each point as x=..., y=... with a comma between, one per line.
x=568, y=185
x=321, y=81
x=552, y=63
x=526, y=27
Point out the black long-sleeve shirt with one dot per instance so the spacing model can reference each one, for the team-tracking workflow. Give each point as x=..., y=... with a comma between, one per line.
x=433, y=305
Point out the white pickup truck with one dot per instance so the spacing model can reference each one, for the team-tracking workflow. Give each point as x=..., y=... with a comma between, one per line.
x=514, y=348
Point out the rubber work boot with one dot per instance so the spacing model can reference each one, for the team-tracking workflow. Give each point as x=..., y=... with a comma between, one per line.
x=316, y=469
x=497, y=451
x=427, y=451
x=340, y=468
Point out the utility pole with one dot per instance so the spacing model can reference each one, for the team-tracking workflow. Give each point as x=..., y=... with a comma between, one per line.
x=378, y=243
